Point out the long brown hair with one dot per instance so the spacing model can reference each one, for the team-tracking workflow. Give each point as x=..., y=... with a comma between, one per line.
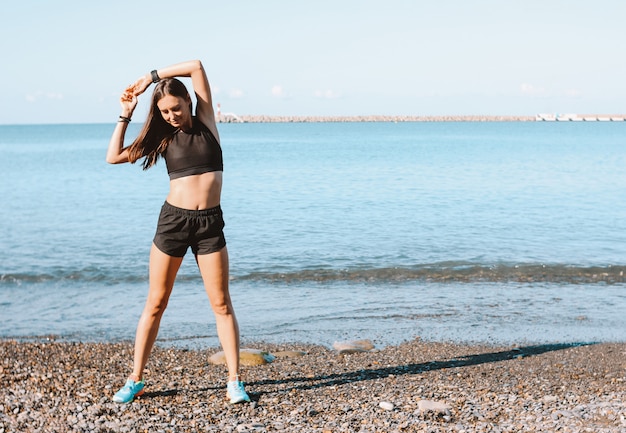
x=156, y=133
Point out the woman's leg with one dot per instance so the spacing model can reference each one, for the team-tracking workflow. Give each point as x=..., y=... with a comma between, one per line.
x=214, y=270
x=163, y=270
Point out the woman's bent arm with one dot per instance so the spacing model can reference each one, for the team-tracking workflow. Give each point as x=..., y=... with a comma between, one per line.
x=194, y=70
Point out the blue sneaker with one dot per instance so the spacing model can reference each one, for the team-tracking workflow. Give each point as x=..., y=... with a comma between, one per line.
x=236, y=393
x=129, y=391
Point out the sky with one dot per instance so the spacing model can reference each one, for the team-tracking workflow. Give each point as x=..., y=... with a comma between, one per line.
x=68, y=61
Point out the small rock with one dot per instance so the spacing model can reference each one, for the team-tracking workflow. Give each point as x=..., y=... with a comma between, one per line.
x=433, y=406
x=246, y=357
x=386, y=405
x=355, y=346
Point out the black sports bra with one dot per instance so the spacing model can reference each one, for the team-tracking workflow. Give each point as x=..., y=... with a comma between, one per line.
x=193, y=152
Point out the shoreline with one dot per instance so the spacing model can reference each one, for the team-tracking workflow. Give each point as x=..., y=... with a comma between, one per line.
x=412, y=387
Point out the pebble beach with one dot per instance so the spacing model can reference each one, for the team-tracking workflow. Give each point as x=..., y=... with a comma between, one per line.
x=417, y=386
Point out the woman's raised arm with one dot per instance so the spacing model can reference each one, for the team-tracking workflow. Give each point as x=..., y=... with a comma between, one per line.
x=116, y=153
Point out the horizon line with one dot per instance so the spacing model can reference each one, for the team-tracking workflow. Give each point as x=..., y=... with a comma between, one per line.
x=268, y=118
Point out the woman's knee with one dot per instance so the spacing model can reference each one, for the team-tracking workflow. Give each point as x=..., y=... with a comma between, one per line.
x=156, y=305
x=221, y=307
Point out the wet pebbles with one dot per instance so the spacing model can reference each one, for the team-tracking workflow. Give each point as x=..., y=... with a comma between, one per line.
x=413, y=387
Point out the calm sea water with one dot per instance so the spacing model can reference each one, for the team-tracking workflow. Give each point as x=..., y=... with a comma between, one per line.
x=472, y=232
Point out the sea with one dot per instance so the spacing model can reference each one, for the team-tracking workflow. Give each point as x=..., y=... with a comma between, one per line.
x=467, y=232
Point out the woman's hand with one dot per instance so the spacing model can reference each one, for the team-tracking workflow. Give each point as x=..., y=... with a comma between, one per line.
x=128, y=101
x=140, y=86
x=129, y=97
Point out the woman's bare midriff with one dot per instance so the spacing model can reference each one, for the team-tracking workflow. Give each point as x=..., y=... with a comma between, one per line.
x=197, y=192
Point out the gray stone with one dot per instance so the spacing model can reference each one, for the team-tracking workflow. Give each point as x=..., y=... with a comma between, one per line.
x=433, y=406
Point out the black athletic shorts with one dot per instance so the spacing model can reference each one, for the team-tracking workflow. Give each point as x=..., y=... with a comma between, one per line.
x=179, y=229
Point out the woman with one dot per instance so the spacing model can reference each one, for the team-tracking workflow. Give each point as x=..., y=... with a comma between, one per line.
x=191, y=215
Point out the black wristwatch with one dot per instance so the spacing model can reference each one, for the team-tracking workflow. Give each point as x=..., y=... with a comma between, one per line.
x=155, y=76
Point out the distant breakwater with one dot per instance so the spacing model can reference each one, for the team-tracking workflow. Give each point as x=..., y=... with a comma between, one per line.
x=229, y=118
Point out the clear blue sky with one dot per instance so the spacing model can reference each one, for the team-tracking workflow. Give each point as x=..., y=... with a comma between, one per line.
x=68, y=61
